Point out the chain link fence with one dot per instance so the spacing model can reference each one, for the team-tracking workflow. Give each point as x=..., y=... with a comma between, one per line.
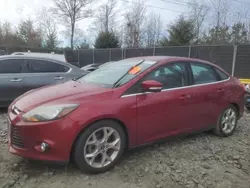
x=222, y=55
x=235, y=59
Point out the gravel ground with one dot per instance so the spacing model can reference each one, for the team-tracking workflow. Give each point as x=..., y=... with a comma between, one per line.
x=198, y=161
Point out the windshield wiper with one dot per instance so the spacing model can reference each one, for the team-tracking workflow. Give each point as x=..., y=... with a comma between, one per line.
x=116, y=84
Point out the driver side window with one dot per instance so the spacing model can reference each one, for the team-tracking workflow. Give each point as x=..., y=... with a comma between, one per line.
x=171, y=76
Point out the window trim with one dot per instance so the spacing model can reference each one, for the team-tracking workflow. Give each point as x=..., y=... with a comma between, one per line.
x=191, y=85
x=30, y=59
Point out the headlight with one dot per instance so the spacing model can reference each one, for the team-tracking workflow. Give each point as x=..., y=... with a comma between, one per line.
x=48, y=113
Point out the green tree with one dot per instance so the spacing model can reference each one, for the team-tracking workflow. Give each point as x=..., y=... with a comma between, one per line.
x=180, y=33
x=239, y=34
x=8, y=36
x=218, y=35
x=107, y=40
x=30, y=34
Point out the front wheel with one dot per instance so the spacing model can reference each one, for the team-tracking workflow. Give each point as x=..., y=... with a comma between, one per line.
x=227, y=122
x=100, y=146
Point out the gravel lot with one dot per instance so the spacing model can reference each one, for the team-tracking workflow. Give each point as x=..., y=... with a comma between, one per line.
x=202, y=160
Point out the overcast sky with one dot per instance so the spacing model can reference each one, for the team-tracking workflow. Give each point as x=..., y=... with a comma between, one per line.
x=16, y=10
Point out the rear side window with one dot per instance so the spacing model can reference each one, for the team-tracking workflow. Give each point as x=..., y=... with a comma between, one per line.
x=41, y=66
x=221, y=74
x=12, y=66
x=203, y=74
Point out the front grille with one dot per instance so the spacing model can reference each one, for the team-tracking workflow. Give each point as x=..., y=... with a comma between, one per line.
x=16, y=139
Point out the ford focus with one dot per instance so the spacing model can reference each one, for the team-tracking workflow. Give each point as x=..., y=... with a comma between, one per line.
x=125, y=104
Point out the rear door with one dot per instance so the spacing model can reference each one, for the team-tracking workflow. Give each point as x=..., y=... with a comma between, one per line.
x=12, y=73
x=44, y=72
x=208, y=91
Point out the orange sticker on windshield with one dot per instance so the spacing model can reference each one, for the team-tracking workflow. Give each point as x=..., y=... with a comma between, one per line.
x=134, y=70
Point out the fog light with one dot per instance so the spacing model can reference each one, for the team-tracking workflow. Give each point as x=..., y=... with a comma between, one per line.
x=44, y=146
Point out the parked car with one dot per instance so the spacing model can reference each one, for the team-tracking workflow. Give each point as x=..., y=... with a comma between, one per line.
x=91, y=67
x=123, y=105
x=21, y=73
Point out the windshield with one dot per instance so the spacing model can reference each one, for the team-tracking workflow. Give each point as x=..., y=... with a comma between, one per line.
x=114, y=74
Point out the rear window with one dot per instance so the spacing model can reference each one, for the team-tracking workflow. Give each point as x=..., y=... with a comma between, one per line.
x=117, y=73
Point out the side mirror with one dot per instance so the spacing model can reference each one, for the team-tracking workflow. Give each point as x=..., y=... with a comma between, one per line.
x=151, y=86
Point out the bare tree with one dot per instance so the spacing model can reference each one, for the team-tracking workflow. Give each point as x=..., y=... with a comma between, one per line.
x=134, y=23
x=48, y=27
x=221, y=9
x=72, y=11
x=105, y=16
x=198, y=13
x=153, y=29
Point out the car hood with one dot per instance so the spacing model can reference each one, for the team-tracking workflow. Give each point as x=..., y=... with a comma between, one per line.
x=69, y=92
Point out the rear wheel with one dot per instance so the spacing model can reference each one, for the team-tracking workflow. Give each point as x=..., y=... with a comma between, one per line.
x=227, y=122
x=100, y=146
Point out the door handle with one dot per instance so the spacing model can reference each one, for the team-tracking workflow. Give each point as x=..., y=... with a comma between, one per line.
x=182, y=97
x=58, y=78
x=16, y=80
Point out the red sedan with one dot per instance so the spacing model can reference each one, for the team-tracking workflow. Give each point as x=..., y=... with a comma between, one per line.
x=121, y=105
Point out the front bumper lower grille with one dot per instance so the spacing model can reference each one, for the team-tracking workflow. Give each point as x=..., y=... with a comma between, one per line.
x=16, y=139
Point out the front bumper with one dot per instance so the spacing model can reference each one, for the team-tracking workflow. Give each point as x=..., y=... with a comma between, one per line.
x=24, y=139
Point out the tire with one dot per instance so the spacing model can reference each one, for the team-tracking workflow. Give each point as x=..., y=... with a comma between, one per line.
x=220, y=127
x=87, y=142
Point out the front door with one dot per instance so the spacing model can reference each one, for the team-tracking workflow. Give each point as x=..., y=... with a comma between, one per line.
x=12, y=72
x=168, y=112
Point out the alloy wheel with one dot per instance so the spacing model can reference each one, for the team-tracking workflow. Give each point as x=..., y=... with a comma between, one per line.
x=102, y=147
x=229, y=120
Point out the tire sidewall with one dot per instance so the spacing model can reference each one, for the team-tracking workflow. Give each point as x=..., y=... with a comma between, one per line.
x=80, y=144
x=219, y=125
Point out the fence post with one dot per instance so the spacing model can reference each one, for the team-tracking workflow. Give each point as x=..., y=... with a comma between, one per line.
x=79, y=65
x=154, y=51
x=122, y=52
x=234, y=59
x=189, y=51
x=110, y=55
x=93, y=56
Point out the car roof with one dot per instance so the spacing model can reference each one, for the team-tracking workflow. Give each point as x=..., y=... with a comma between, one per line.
x=59, y=57
x=159, y=59
x=5, y=57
